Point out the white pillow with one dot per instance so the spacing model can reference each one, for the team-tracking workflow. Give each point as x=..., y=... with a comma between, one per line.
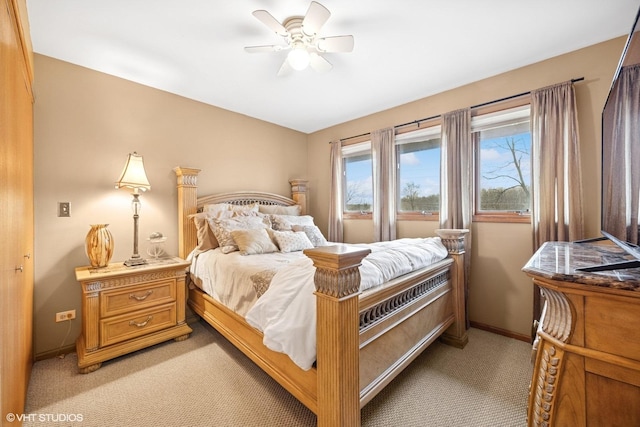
x=313, y=233
x=285, y=222
x=292, y=241
x=251, y=242
x=217, y=207
x=280, y=210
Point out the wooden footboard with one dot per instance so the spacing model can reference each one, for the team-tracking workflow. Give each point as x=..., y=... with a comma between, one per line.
x=363, y=340
x=399, y=322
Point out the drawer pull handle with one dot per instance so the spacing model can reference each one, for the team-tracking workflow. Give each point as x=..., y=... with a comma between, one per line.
x=141, y=297
x=140, y=325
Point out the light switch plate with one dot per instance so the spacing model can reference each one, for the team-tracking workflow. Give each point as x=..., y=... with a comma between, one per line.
x=63, y=209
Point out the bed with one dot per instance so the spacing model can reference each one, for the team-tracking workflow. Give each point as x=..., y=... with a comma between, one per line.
x=363, y=339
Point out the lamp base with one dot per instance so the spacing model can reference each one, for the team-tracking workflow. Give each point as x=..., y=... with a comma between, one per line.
x=132, y=262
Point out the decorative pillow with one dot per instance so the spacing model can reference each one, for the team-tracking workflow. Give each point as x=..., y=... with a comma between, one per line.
x=313, y=233
x=292, y=241
x=285, y=222
x=222, y=229
x=251, y=242
x=206, y=239
x=280, y=210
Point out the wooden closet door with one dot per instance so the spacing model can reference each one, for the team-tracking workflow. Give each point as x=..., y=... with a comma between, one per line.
x=16, y=210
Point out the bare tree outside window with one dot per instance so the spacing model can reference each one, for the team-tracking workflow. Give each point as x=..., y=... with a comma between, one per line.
x=355, y=198
x=412, y=199
x=410, y=196
x=505, y=170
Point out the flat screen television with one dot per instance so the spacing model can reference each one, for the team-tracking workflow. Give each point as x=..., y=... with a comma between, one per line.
x=621, y=145
x=620, y=213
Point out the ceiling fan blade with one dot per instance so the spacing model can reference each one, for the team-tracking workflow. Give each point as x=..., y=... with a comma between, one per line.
x=267, y=19
x=318, y=63
x=315, y=18
x=335, y=44
x=265, y=48
x=285, y=69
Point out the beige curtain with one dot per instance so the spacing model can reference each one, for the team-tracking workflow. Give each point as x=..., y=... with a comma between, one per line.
x=383, y=155
x=335, y=233
x=456, y=180
x=456, y=170
x=621, y=185
x=556, y=174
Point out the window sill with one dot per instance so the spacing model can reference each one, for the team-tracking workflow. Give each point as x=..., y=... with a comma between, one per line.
x=506, y=218
x=357, y=215
x=417, y=216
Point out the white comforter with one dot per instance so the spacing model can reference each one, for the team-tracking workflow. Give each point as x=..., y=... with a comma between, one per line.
x=286, y=313
x=228, y=277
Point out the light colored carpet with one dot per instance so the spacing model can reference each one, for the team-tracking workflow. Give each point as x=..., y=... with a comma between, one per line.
x=205, y=381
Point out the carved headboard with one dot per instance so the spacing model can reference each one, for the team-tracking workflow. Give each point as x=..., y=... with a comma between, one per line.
x=189, y=203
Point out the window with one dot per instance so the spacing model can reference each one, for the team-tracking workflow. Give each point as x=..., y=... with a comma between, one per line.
x=418, y=157
x=503, y=162
x=358, y=178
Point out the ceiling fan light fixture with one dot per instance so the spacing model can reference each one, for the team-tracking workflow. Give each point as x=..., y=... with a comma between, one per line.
x=298, y=58
x=300, y=34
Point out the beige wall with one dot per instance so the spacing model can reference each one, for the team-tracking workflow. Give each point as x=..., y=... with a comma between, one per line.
x=500, y=294
x=85, y=125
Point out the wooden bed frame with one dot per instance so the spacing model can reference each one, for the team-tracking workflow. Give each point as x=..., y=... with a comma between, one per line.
x=363, y=341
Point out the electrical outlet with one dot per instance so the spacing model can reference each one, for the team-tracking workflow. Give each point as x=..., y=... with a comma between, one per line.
x=65, y=315
x=64, y=210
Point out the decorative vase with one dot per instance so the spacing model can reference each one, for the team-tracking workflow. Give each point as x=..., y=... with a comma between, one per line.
x=99, y=245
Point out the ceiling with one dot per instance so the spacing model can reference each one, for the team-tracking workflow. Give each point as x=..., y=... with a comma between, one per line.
x=404, y=50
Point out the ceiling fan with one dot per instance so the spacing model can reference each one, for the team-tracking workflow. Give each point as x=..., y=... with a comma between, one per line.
x=301, y=37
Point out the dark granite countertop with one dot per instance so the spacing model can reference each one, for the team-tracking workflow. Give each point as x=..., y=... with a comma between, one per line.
x=559, y=261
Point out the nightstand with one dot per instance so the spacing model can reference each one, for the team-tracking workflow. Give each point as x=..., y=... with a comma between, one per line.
x=125, y=309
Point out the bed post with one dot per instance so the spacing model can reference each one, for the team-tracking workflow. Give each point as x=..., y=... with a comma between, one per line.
x=454, y=241
x=299, y=193
x=337, y=282
x=187, y=205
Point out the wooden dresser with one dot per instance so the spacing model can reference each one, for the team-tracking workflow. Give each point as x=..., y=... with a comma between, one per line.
x=587, y=349
x=129, y=308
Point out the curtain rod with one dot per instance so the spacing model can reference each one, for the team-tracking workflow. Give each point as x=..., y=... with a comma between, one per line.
x=579, y=79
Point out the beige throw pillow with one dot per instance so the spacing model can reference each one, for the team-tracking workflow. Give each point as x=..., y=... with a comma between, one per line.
x=206, y=239
x=251, y=242
x=222, y=229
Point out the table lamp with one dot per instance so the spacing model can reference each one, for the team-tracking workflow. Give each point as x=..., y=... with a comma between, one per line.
x=134, y=177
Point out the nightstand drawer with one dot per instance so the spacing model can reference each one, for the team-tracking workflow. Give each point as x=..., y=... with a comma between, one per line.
x=125, y=327
x=136, y=297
